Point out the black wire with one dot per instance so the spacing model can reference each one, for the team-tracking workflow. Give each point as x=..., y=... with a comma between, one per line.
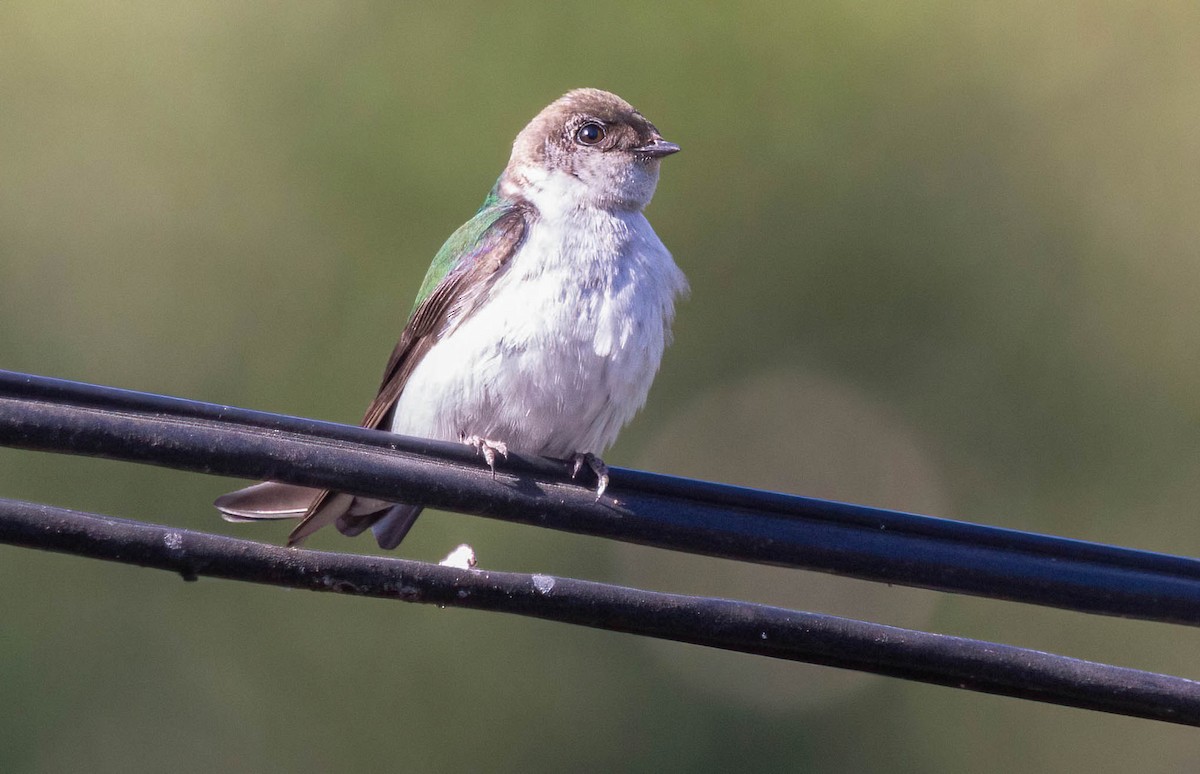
x=737, y=626
x=699, y=517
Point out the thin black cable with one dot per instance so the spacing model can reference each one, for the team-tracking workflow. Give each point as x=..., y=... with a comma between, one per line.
x=680, y=514
x=738, y=626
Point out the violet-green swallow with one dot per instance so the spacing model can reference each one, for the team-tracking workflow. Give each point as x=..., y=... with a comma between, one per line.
x=540, y=324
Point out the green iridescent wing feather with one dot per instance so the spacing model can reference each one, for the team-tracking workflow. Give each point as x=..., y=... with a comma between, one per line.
x=461, y=243
x=456, y=283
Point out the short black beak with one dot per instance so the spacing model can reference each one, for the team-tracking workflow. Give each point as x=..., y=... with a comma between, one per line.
x=656, y=148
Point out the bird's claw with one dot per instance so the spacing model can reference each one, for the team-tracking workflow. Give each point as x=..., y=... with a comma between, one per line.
x=596, y=465
x=488, y=449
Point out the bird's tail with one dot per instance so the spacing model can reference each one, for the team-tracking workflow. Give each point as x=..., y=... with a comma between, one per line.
x=315, y=508
x=268, y=500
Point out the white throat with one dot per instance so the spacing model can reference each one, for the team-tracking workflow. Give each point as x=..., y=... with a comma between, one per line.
x=557, y=192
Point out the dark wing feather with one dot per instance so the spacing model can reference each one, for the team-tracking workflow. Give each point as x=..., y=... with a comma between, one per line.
x=463, y=289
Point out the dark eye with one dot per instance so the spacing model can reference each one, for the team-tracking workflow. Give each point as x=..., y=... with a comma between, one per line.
x=590, y=133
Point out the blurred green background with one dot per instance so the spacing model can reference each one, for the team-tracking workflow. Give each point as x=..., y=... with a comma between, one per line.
x=943, y=256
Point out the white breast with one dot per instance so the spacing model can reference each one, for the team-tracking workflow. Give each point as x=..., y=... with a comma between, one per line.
x=563, y=353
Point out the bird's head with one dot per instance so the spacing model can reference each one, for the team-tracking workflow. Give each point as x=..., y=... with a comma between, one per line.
x=587, y=148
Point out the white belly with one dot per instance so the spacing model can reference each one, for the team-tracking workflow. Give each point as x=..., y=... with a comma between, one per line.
x=563, y=353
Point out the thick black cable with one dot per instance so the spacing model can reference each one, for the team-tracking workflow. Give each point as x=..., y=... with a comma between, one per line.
x=699, y=517
x=738, y=626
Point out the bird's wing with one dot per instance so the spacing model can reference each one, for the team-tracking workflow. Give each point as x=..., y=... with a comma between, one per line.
x=457, y=283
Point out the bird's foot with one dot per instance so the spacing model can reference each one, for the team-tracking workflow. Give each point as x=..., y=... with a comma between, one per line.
x=488, y=449
x=596, y=465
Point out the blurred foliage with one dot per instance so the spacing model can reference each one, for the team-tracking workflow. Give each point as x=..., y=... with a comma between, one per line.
x=944, y=258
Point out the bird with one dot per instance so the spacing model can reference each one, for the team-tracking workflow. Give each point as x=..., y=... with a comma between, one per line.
x=539, y=326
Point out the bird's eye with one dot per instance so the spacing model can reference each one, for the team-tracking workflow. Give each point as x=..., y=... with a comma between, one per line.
x=590, y=133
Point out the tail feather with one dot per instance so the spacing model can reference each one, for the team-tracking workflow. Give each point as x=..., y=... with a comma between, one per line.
x=326, y=509
x=268, y=500
x=391, y=528
x=316, y=508
x=353, y=526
